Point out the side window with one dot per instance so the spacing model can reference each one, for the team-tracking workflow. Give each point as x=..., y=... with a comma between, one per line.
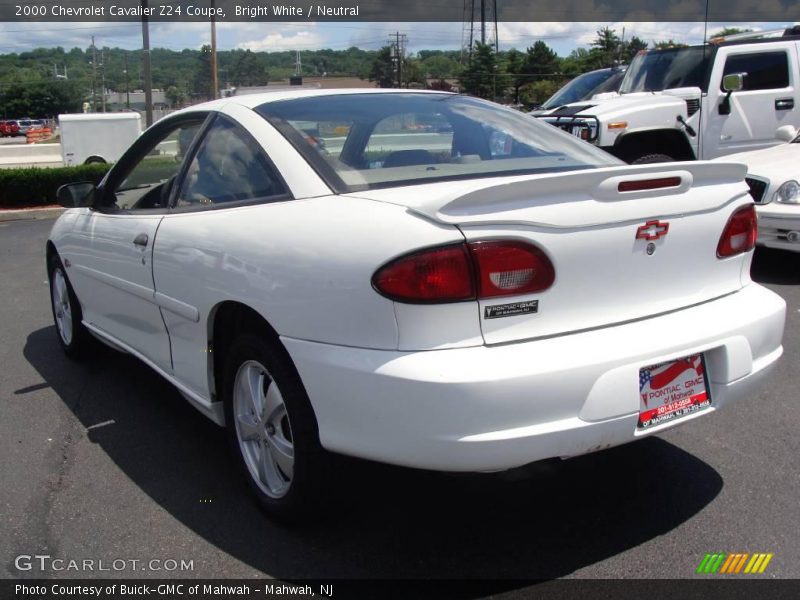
x=227, y=167
x=149, y=183
x=764, y=70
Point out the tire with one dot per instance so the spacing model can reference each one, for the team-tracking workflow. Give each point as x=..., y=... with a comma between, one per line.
x=652, y=158
x=272, y=429
x=94, y=160
x=74, y=338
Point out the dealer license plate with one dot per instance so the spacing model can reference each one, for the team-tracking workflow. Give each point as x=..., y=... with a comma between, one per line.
x=671, y=390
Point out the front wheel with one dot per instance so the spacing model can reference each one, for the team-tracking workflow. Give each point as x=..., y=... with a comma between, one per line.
x=272, y=428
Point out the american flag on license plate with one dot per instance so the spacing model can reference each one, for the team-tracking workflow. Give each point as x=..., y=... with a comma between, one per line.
x=659, y=376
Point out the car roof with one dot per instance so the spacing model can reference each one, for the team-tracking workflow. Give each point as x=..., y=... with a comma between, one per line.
x=254, y=100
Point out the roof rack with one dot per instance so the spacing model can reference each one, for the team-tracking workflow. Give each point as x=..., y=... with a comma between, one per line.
x=756, y=35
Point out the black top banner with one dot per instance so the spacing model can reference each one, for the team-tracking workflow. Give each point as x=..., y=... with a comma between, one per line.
x=395, y=10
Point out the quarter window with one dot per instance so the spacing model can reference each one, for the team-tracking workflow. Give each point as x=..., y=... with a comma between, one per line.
x=228, y=167
x=764, y=70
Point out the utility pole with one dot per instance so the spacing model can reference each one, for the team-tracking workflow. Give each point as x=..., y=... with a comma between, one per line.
x=103, y=76
x=148, y=80
x=398, y=43
x=127, y=85
x=486, y=13
x=94, y=76
x=214, y=76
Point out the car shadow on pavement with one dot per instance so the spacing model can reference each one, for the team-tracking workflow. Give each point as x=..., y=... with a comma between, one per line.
x=780, y=267
x=535, y=523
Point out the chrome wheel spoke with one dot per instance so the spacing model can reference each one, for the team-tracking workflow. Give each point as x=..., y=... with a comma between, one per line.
x=273, y=405
x=249, y=429
x=62, y=289
x=282, y=453
x=255, y=389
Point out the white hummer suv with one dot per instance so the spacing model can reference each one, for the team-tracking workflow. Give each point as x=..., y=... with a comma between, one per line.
x=695, y=102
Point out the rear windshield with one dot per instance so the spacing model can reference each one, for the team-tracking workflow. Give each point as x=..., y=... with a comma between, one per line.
x=366, y=141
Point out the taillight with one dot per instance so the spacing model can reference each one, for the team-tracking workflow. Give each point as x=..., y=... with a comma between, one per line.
x=739, y=234
x=441, y=274
x=510, y=268
x=469, y=271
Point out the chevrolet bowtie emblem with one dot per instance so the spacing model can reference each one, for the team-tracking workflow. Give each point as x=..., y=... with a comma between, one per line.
x=652, y=230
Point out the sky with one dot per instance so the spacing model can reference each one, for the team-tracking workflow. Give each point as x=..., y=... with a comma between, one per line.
x=562, y=37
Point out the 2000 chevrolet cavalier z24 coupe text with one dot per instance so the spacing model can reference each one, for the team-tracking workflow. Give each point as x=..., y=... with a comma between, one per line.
x=422, y=279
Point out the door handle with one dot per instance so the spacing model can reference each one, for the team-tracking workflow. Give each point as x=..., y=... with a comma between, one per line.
x=141, y=240
x=784, y=104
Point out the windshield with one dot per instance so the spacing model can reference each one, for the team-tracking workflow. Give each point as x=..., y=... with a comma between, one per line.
x=365, y=141
x=666, y=69
x=580, y=88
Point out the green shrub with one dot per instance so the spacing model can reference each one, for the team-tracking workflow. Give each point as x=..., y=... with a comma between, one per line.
x=33, y=186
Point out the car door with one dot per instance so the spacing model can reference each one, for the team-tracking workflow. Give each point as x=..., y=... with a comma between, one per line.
x=767, y=101
x=112, y=273
x=198, y=257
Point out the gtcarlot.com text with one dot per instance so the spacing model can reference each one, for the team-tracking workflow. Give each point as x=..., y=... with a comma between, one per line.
x=48, y=563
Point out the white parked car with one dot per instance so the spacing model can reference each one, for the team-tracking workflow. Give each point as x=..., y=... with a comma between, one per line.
x=422, y=279
x=773, y=175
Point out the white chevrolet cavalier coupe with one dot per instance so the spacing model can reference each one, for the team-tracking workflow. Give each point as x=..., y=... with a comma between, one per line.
x=423, y=279
x=773, y=175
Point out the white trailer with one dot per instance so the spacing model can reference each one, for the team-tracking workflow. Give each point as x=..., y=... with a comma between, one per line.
x=97, y=137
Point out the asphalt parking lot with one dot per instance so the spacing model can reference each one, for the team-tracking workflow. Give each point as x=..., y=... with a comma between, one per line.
x=105, y=460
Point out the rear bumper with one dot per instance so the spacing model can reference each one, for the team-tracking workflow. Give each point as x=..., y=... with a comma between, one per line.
x=494, y=408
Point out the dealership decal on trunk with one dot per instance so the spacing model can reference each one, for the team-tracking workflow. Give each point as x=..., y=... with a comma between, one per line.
x=510, y=310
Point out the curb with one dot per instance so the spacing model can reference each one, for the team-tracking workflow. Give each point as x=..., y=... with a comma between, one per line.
x=30, y=214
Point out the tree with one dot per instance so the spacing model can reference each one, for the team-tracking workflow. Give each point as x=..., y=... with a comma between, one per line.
x=202, y=78
x=248, y=70
x=576, y=63
x=515, y=63
x=606, y=48
x=441, y=85
x=175, y=95
x=632, y=48
x=728, y=31
x=41, y=99
x=439, y=66
x=664, y=44
x=382, y=70
x=413, y=73
x=485, y=76
x=538, y=91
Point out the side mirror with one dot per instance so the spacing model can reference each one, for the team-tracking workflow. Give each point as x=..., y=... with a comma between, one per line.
x=76, y=195
x=730, y=83
x=733, y=82
x=786, y=133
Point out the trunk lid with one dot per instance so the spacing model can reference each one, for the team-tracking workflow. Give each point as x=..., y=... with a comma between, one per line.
x=588, y=228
